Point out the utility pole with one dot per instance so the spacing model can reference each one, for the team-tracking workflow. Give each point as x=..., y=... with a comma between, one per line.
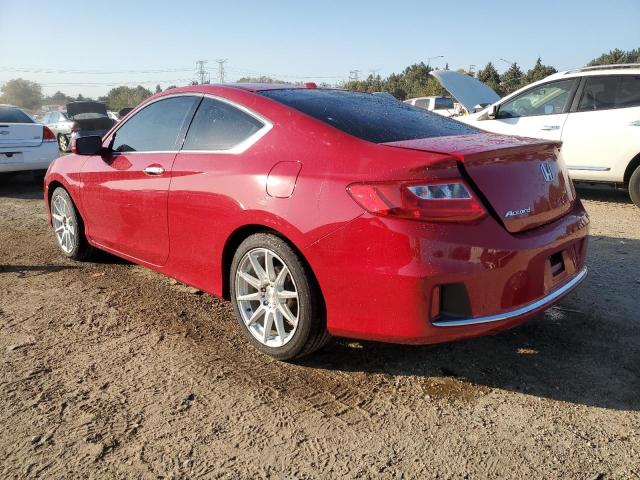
x=201, y=70
x=221, y=62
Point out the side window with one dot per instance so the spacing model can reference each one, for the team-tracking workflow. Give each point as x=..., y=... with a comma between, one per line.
x=54, y=117
x=46, y=117
x=156, y=127
x=606, y=92
x=219, y=126
x=422, y=103
x=546, y=99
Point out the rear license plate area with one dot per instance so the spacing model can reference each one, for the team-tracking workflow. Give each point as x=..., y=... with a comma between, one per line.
x=11, y=157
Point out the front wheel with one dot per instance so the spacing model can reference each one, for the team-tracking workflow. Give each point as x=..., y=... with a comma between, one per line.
x=276, y=299
x=68, y=227
x=634, y=187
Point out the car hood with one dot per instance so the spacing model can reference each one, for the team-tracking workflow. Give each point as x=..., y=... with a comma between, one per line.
x=467, y=90
x=76, y=108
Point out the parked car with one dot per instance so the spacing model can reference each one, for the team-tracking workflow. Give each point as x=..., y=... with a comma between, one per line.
x=324, y=212
x=24, y=144
x=61, y=125
x=81, y=119
x=437, y=104
x=594, y=111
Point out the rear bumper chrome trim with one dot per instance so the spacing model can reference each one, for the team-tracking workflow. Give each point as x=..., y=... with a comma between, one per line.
x=518, y=312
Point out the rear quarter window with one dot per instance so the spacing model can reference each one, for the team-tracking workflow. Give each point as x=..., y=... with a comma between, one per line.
x=14, y=115
x=219, y=126
x=367, y=116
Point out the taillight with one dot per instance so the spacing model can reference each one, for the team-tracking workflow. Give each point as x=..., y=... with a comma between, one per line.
x=48, y=135
x=448, y=200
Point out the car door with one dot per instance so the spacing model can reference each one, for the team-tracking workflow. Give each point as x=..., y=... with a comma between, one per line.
x=602, y=134
x=539, y=112
x=125, y=190
x=218, y=166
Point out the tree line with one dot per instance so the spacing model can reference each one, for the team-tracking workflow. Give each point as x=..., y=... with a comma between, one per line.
x=413, y=81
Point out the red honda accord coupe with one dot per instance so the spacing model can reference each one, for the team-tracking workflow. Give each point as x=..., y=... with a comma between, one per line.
x=323, y=212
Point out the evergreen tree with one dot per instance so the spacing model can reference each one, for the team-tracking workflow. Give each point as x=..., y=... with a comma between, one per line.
x=538, y=72
x=490, y=76
x=511, y=80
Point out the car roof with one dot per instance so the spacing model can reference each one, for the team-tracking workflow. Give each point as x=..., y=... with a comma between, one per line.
x=618, y=69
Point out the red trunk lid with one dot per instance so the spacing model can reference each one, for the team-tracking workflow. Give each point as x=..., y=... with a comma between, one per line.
x=521, y=179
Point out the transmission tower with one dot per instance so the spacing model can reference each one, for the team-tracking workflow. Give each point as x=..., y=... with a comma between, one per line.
x=354, y=75
x=221, y=62
x=201, y=70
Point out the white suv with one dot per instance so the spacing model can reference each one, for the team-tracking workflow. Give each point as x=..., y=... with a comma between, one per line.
x=594, y=111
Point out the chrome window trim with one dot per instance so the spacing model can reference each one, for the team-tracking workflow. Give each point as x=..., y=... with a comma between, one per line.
x=241, y=147
x=518, y=312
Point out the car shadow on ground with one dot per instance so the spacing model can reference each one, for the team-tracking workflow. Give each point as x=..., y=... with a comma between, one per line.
x=20, y=186
x=603, y=193
x=585, y=350
x=31, y=270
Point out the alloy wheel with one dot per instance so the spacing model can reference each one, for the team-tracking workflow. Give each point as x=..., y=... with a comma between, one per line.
x=267, y=297
x=63, y=224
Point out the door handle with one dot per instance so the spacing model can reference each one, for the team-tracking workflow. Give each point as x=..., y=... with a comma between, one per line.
x=154, y=170
x=551, y=127
x=635, y=123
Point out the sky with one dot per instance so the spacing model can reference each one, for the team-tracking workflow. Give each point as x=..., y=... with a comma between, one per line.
x=89, y=46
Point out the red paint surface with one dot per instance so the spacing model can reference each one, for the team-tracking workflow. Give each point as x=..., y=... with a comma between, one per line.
x=376, y=273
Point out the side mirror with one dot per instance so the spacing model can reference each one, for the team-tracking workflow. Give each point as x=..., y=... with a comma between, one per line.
x=91, y=145
x=492, y=114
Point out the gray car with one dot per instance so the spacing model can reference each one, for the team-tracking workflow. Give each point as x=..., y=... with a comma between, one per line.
x=60, y=124
x=81, y=119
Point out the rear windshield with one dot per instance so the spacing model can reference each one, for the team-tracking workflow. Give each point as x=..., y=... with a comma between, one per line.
x=14, y=115
x=367, y=116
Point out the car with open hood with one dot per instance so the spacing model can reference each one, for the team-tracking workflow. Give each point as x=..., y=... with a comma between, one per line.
x=323, y=212
x=593, y=111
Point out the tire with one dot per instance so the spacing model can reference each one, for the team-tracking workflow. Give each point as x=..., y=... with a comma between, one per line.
x=634, y=187
x=68, y=226
x=63, y=143
x=288, y=302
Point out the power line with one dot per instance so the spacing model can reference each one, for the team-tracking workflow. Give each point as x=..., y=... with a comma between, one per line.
x=89, y=72
x=221, y=62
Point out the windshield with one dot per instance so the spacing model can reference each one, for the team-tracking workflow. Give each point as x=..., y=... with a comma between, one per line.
x=443, y=103
x=368, y=116
x=14, y=115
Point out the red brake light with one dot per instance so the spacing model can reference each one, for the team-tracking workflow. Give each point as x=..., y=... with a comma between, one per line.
x=310, y=85
x=448, y=200
x=48, y=135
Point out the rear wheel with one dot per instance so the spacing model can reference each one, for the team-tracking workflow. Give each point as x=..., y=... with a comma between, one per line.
x=63, y=143
x=68, y=227
x=277, y=302
x=634, y=187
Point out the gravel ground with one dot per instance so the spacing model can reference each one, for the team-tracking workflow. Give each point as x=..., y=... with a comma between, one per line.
x=112, y=371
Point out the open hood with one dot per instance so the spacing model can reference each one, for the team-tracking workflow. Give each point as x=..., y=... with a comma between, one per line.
x=467, y=90
x=76, y=108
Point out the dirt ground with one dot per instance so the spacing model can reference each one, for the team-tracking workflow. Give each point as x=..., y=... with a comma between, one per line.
x=112, y=371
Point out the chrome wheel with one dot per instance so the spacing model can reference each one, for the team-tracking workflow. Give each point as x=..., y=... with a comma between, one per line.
x=64, y=224
x=267, y=297
x=63, y=143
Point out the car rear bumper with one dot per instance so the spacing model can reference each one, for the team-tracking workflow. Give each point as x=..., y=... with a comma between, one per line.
x=521, y=312
x=378, y=276
x=28, y=158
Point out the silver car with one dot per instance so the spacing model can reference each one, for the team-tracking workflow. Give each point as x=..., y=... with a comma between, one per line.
x=62, y=127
